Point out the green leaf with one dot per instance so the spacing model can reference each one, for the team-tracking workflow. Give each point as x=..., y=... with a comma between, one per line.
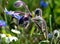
x=3, y=30
x=32, y=30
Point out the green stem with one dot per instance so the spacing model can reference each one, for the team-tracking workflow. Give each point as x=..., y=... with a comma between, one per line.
x=50, y=23
x=5, y=18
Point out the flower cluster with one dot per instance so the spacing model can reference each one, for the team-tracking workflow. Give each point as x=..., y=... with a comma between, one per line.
x=8, y=38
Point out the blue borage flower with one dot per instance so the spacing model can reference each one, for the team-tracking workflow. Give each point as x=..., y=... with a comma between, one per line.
x=13, y=14
x=43, y=4
x=16, y=15
x=2, y=23
x=8, y=12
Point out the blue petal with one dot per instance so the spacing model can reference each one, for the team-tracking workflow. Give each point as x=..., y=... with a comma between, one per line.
x=7, y=13
x=17, y=16
x=43, y=4
x=3, y=23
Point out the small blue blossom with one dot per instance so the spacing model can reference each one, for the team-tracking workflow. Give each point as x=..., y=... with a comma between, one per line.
x=43, y=4
x=13, y=14
x=8, y=12
x=50, y=35
x=2, y=23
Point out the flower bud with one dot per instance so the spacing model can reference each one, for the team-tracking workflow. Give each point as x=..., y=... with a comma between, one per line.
x=18, y=4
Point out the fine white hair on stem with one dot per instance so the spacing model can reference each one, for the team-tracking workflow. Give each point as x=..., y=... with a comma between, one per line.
x=20, y=3
x=26, y=7
x=41, y=23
